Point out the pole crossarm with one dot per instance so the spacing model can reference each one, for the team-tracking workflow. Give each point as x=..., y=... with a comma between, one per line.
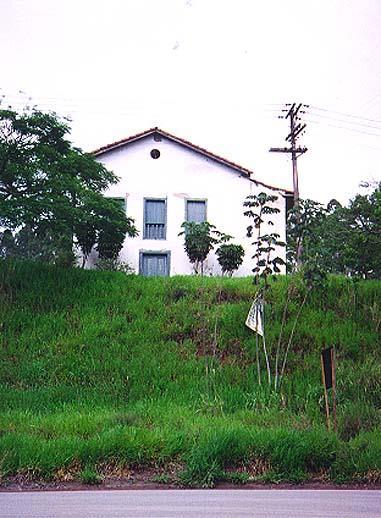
x=300, y=150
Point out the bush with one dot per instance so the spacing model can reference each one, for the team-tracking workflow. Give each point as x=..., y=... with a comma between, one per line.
x=230, y=257
x=199, y=240
x=112, y=265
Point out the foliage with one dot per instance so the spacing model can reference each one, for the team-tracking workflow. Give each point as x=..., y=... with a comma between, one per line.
x=8, y=247
x=38, y=245
x=364, y=249
x=314, y=275
x=230, y=257
x=339, y=239
x=199, y=240
x=260, y=207
x=94, y=372
x=304, y=222
x=112, y=265
x=51, y=192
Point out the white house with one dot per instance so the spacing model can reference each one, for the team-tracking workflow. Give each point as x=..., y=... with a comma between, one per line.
x=164, y=181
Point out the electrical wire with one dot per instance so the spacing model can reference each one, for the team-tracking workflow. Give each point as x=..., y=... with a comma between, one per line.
x=354, y=130
x=350, y=115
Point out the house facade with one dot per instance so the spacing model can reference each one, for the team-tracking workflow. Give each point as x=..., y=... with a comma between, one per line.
x=164, y=181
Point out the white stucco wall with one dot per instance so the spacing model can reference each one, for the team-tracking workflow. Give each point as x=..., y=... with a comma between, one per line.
x=177, y=175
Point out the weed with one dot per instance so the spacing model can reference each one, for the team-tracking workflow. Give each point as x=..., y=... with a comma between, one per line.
x=89, y=476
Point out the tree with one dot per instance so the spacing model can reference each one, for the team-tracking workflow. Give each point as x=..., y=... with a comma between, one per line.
x=51, y=191
x=7, y=244
x=230, y=257
x=364, y=217
x=339, y=239
x=199, y=240
x=259, y=208
x=42, y=244
x=303, y=232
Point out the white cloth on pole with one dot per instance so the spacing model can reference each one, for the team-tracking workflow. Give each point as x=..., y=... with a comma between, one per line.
x=254, y=319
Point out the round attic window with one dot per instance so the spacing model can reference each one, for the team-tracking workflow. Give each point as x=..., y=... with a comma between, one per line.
x=155, y=153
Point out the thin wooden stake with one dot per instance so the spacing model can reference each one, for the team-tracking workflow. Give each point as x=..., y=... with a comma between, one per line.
x=325, y=395
x=264, y=345
x=333, y=361
x=257, y=357
x=266, y=357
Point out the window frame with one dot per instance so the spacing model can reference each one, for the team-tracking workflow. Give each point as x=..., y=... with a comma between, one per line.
x=165, y=219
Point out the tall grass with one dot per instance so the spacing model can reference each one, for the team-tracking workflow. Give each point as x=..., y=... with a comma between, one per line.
x=102, y=367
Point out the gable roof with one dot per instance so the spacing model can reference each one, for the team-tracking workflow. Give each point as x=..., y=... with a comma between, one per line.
x=242, y=170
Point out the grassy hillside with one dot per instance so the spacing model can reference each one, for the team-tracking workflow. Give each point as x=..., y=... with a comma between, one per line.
x=102, y=372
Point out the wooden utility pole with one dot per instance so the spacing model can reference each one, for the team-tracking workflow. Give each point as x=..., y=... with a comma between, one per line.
x=293, y=112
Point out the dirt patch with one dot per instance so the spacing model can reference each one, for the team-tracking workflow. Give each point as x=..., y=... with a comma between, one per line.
x=118, y=476
x=254, y=468
x=142, y=481
x=111, y=476
x=224, y=296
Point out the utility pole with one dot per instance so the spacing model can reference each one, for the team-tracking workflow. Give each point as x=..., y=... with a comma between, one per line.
x=293, y=112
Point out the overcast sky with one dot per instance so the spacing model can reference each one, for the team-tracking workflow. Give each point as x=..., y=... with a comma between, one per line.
x=215, y=72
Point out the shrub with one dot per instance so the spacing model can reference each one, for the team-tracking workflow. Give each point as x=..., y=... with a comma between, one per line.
x=230, y=257
x=113, y=265
x=199, y=240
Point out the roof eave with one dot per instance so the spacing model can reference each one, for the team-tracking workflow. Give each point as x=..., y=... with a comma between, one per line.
x=242, y=170
x=106, y=149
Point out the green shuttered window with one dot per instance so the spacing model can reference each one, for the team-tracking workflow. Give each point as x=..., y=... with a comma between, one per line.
x=154, y=264
x=196, y=211
x=155, y=219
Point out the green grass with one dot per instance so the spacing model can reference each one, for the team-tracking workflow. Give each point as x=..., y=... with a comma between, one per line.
x=89, y=476
x=100, y=369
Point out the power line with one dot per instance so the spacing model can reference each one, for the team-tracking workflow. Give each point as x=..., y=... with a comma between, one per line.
x=350, y=115
x=354, y=123
x=353, y=130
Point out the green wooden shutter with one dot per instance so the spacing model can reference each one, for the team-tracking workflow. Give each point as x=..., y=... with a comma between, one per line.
x=196, y=211
x=154, y=219
x=154, y=265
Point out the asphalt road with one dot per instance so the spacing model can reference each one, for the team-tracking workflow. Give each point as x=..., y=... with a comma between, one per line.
x=191, y=504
